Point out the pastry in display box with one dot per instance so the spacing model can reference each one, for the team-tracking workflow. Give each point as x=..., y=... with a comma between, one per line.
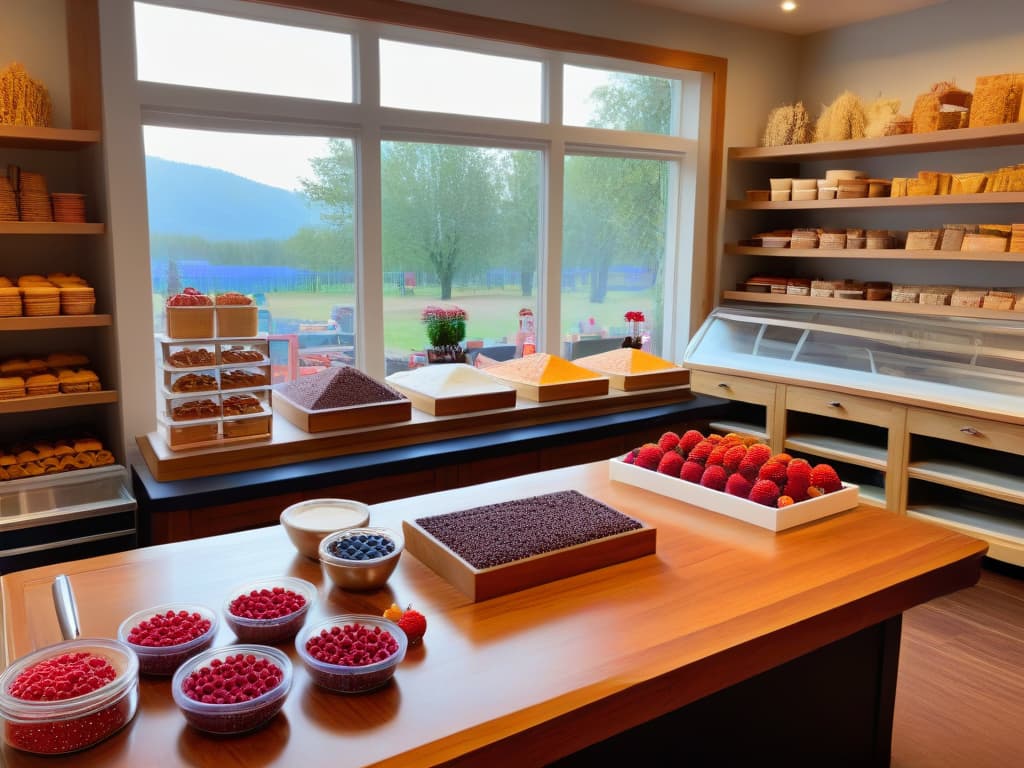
x=244, y=378
x=237, y=315
x=190, y=315
x=191, y=408
x=182, y=382
x=242, y=351
x=182, y=357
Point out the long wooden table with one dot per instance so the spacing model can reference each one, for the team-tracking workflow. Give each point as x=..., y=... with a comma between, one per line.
x=731, y=640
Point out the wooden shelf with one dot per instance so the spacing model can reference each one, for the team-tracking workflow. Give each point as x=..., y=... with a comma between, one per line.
x=49, y=402
x=753, y=430
x=25, y=137
x=1005, y=535
x=985, y=482
x=873, y=306
x=872, y=496
x=838, y=449
x=1007, y=135
x=49, y=228
x=982, y=198
x=50, y=322
x=733, y=249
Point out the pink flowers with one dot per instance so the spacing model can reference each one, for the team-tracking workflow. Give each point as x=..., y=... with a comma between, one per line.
x=446, y=326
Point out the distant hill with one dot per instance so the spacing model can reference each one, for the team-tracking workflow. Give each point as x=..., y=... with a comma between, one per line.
x=217, y=205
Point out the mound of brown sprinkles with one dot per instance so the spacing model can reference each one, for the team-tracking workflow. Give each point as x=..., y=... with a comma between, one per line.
x=502, y=533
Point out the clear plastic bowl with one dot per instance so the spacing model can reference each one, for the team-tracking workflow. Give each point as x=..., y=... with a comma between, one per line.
x=343, y=679
x=269, y=631
x=239, y=717
x=360, y=575
x=163, y=660
x=70, y=725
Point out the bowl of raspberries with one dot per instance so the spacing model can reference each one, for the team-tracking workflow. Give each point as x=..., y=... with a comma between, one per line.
x=360, y=559
x=166, y=635
x=232, y=689
x=351, y=653
x=268, y=611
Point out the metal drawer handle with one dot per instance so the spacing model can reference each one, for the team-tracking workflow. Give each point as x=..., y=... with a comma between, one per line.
x=970, y=431
x=723, y=385
x=835, y=404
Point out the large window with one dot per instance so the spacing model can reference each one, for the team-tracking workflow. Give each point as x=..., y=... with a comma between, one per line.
x=266, y=215
x=479, y=174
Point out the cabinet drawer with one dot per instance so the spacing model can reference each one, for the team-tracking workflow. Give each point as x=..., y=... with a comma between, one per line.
x=732, y=387
x=966, y=430
x=839, y=406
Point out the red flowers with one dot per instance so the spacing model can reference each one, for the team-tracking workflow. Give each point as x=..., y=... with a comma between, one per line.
x=635, y=316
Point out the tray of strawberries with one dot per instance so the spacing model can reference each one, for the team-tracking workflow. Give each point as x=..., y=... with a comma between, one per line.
x=737, y=477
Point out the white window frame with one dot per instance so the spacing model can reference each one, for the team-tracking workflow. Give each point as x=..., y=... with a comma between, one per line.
x=129, y=104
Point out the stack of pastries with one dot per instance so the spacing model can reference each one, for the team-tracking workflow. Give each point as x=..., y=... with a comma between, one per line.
x=48, y=457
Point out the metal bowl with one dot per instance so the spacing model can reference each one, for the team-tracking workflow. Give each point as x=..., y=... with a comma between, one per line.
x=360, y=575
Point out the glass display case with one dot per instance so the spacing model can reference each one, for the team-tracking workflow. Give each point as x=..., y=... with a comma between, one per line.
x=952, y=361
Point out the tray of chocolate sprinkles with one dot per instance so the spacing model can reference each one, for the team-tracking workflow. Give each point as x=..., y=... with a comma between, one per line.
x=504, y=547
x=342, y=397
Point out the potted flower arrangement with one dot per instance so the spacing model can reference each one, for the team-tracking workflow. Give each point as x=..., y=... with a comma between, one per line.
x=635, y=340
x=446, y=328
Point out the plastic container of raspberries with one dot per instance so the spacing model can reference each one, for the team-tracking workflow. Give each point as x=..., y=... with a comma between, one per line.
x=55, y=715
x=268, y=611
x=351, y=653
x=166, y=635
x=232, y=689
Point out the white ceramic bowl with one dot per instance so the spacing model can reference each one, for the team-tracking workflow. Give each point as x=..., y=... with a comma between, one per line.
x=308, y=522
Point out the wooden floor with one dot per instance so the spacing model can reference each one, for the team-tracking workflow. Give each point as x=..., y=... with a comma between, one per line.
x=960, y=695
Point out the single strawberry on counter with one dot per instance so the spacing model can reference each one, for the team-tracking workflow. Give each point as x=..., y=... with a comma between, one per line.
x=413, y=623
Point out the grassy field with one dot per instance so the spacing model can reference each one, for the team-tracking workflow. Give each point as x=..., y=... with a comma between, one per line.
x=491, y=316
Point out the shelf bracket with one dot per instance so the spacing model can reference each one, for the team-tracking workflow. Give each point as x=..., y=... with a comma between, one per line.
x=757, y=341
x=799, y=346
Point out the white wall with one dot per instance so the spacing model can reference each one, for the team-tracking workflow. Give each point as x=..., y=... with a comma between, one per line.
x=903, y=56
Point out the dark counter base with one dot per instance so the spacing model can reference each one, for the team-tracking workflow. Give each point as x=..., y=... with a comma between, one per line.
x=187, y=509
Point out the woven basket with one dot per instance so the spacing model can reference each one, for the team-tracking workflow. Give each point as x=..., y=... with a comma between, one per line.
x=997, y=99
x=23, y=101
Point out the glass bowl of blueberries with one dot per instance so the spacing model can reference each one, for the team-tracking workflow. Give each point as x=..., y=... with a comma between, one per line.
x=361, y=559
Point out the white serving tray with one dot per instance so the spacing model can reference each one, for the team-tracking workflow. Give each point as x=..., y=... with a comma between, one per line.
x=733, y=506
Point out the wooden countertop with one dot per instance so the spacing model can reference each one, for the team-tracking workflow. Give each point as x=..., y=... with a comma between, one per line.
x=525, y=678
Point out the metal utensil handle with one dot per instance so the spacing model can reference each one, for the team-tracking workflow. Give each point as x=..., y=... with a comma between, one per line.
x=67, y=609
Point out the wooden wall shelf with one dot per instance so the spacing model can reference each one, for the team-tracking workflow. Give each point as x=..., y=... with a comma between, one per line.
x=864, y=253
x=873, y=306
x=982, y=198
x=49, y=402
x=49, y=228
x=50, y=322
x=1007, y=135
x=26, y=137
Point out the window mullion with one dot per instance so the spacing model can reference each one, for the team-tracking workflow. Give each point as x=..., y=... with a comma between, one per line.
x=552, y=195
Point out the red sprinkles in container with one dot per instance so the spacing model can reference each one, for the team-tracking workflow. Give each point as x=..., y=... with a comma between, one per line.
x=266, y=603
x=169, y=628
x=235, y=679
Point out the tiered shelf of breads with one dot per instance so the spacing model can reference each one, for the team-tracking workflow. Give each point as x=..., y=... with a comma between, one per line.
x=24, y=196
x=58, y=379
x=50, y=457
x=38, y=296
x=216, y=372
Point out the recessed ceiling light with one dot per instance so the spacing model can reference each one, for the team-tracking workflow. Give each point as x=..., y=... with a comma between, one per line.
x=788, y=6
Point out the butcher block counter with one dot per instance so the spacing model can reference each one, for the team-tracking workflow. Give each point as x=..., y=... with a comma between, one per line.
x=730, y=641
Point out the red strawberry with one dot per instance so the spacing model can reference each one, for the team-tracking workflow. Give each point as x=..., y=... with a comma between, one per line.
x=765, y=492
x=824, y=476
x=774, y=471
x=414, y=624
x=629, y=458
x=714, y=439
x=668, y=441
x=691, y=471
x=733, y=457
x=759, y=453
x=714, y=477
x=689, y=439
x=700, y=452
x=717, y=455
x=782, y=458
x=649, y=456
x=670, y=464
x=799, y=471
x=795, y=490
x=738, y=485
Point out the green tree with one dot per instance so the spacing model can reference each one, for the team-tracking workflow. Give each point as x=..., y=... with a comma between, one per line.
x=518, y=236
x=334, y=184
x=439, y=204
